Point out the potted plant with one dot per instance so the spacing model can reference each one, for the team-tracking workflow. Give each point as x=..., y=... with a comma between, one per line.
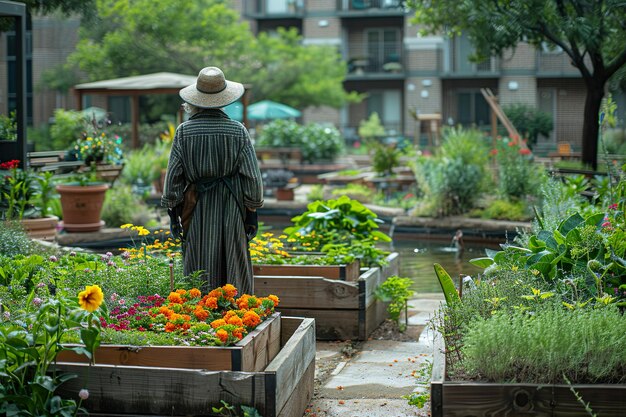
x=81, y=202
x=25, y=196
x=282, y=182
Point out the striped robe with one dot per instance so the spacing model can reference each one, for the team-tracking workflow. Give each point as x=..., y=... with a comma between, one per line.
x=210, y=145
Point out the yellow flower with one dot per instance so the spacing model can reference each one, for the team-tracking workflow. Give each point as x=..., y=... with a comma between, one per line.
x=126, y=226
x=91, y=298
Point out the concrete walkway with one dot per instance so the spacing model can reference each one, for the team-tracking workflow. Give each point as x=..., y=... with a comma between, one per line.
x=369, y=379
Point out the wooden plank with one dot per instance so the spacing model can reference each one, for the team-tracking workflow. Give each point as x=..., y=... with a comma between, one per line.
x=392, y=267
x=437, y=377
x=309, y=292
x=341, y=272
x=369, y=280
x=301, y=395
x=161, y=391
x=330, y=324
x=293, y=361
x=263, y=347
x=288, y=326
x=485, y=399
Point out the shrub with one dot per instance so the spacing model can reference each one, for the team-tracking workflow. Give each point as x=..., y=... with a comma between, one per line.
x=355, y=191
x=67, y=128
x=529, y=121
x=517, y=175
x=121, y=206
x=453, y=179
x=316, y=141
x=13, y=240
x=506, y=210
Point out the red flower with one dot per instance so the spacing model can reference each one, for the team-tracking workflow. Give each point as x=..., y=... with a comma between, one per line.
x=12, y=164
x=524, y=151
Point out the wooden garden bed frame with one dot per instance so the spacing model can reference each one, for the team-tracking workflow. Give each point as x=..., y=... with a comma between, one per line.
x=465, y=398
x=347, y=272
x=283, y=389
x=343, y=310
x=250, y=354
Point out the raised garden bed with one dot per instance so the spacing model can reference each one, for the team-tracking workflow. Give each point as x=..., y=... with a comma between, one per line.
x=343, y=310
x=348, y=272
x=252, y=353
x=467, y=398
x=282, y=389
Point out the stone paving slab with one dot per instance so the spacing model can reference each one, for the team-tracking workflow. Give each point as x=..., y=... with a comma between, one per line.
x=365, y=408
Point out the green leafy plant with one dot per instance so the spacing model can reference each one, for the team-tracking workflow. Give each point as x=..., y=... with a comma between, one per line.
x=517, y=175
x=371, y=128
x=396, y=291
x=30, y=341
x=8, y=126
x=355, y=191
x=529, y=121
x=316, y=141
x=227, y=410
x=385, y=157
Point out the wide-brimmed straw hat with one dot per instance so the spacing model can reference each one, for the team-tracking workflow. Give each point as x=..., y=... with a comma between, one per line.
x=212, y=90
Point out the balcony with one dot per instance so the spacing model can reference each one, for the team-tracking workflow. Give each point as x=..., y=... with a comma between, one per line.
x=362, y=8
x=375, y=59
x=274, y=9
x=555, y=64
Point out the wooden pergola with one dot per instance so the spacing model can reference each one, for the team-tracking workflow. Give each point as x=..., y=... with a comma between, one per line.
x=141, y=85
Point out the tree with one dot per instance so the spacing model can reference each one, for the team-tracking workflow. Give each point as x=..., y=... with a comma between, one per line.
x=142, y=36
x=591, y=33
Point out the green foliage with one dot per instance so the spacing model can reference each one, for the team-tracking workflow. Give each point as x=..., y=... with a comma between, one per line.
x=385, y=157
x=67, y=128
x=506, y=210
x=316, y=192
x=419, y=398
x=355, y=191
x=523, y=348
x=396, y=291
x=13, y=240
x=8, y=126
x=371, y=128
x=142, y=166
x=316, y=141
x=29, y=344
x=122, y=206
x=529, y=121
x=183, y=38
x=453, y=179
x=227, y=410
x=447, y=285
x=517, y=177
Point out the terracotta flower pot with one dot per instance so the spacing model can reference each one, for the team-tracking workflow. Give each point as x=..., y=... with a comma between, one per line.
x=285, y=194
x=44, y=228
x=82, y=205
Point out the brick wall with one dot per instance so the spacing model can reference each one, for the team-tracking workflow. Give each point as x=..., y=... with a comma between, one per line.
x=526, y=92
x=321, y=5
x=522, y=57
x=321, y=28
x=322, y=114
x=414, y=100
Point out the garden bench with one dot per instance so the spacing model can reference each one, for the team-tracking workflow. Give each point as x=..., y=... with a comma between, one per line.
x=564, y=151
x=53, y=161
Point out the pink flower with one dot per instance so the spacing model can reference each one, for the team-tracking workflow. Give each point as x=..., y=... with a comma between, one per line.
x=613, y=206
x=83, y=394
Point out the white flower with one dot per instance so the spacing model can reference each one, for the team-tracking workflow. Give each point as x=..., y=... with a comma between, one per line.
x=83, y=394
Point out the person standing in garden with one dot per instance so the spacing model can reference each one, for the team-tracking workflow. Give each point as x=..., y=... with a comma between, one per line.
x=213, y=185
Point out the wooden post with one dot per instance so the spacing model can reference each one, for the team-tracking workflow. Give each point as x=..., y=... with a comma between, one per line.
x=134, y=119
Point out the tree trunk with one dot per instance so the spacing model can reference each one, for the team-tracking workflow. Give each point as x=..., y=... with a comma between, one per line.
x=593, y=101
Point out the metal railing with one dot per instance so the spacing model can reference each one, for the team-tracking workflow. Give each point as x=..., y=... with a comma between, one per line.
x=375, y=57
x=364, y=5
x=269, y=8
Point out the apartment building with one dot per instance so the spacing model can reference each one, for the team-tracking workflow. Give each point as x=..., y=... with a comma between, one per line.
x=400, y=71
x=403, y=73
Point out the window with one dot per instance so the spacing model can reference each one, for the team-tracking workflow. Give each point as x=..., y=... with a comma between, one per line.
x=388, y=105
x=473, y=109
x=383, y=46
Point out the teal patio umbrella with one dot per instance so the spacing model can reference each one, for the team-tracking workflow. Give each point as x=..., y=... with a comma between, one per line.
x=234, y=110
x=269, y=110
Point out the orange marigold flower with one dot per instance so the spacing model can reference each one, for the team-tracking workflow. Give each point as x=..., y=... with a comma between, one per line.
x=238, y=332
x=175, y=297
x=215, y=293
x=222, y=335
x=200, y=313
x=274, y=298
x=186, y=326
x=210, y=303
x=194, y=293
x=170, y=327
x=242, y=302
x=251, y=319
x=165, y=311
x=218, y=323
x=229, y=291
x=181, y=291
x=235, y=320
x=229, y=314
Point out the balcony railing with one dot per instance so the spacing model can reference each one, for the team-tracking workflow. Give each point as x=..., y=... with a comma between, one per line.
x=367, y=5
x=375, y=58
x=274, y=8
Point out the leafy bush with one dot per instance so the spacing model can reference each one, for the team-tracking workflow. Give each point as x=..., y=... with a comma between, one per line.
x=8, y=126
x=385, y=157
x=67, y=128
x=453, y=179
x=529, y=121
x=396, y=291
x=121, y=206
x=371, y=128
x=517, y=175
x=355, y=191
x=317, y=141
x=13, y=240
x=506, y=210
x=141, y=166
